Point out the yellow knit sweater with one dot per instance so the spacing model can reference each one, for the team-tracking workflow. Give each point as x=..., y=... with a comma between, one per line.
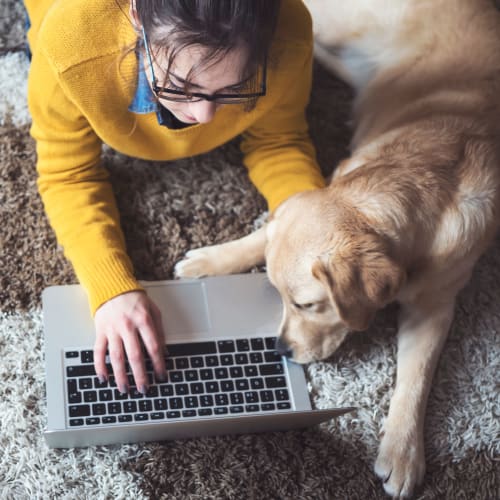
x=79, y=90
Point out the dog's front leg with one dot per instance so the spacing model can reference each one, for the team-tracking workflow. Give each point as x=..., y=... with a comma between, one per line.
x=422, y=331
x=227, y=258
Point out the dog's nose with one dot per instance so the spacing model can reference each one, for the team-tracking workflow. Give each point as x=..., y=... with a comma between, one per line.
x=283, y=348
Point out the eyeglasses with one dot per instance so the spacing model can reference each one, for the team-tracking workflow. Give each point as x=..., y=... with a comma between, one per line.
x=177, y=95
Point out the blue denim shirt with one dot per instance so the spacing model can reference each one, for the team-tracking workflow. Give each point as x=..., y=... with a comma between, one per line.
x=144, y=100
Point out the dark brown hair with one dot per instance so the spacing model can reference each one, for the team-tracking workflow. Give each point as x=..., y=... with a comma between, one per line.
x=219, y=26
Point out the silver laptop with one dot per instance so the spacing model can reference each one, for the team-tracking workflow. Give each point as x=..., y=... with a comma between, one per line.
x=224, y=375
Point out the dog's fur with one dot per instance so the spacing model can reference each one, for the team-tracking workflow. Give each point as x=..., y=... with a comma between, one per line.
x=406, y=217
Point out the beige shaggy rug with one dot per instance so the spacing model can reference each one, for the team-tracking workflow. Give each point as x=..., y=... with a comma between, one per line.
x=167, y=209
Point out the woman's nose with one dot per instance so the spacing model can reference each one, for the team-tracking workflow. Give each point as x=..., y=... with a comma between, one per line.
x=203, y=111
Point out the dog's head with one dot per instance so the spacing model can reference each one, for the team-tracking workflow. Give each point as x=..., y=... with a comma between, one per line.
x=333, y=273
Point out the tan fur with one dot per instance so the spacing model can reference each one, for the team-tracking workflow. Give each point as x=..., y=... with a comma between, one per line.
x=406, y=217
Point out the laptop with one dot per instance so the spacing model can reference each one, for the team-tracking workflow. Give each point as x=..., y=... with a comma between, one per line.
x=224, y=374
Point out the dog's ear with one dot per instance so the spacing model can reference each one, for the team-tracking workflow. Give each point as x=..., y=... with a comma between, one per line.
x=360, y=278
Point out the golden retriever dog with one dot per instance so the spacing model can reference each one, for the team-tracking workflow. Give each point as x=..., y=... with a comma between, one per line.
x=406, y=217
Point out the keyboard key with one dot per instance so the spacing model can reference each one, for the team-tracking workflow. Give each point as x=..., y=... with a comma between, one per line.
x=74, y=398
x=256, y=358
x=85, y=383
x=189, y=413
x=125, y=418
x=236, y=371
x=268, y=407
x=242, y=345
x=79, y=411
x=226, y=346
x=236, y=409
x=252, y=408
x=197, y=388
x=100, y=385
x=160, y=404
x=75, y=422
x=167, y=390
x=191, y=402
x=211, y=387
x=266, y=396
x=272, y=356
x=227, y=385
x=282, y=395
x=80, y=371
x=207, y=374
x=99, y=409
x=129, y=406
x=251, y=397
x=182, y=363
x=220, y=411
x=157, y=415
x=176, y=376
x=212, y=361
x=205, y=412
x=241, y=359
x=206, y=400
x=108, y=420
x=191, y=349
x=284, y=406
x=169, y=364
x=114, y=408
x=175, y=403
x=181, y=389
x=221, y=373
x=120, y=396
x=271, y=369
x=221, y=399
x=242, y=384
x=173, y=414
x=250, y=371
x=257, y=344
x=141, y=417
x=135, y=394
x=105, y=395
x=90, y=396
x=145, y=405
x=257, y=383
x=191, y=375
x=197, y=362
x=92, y=421
x=226, y=360
x=270, y=343
x=236, y=398
x=87, y=356
x=273, y=382
x=71, y=354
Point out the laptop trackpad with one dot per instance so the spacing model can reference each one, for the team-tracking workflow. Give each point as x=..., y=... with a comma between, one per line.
x=183, y=307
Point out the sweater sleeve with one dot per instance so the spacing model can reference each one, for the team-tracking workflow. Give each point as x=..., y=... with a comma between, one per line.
x=277, y=149
x=75, y=188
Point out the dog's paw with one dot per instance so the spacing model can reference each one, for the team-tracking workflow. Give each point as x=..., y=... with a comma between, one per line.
x=197, y=263
x=400, y=462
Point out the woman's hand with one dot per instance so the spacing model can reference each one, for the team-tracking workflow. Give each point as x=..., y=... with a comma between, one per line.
x=121, y=324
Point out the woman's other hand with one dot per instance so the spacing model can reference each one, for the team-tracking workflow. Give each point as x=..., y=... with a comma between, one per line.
x=121, y=324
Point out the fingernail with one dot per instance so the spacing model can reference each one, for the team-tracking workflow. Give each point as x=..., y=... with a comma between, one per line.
x=143, y=389
x=102, y=379
x=123, y=388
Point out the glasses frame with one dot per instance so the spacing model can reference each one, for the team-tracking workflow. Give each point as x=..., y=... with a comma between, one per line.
x=181, y=96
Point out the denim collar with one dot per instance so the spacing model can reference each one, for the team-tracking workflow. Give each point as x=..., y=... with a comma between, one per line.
x=144, y=100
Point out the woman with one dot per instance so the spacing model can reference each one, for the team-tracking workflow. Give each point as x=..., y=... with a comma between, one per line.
x=159, y=80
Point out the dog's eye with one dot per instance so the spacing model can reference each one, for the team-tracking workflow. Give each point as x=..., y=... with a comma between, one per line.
x=305, y=306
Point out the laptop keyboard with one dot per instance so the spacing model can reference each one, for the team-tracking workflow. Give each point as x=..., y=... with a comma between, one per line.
x=204, y=379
